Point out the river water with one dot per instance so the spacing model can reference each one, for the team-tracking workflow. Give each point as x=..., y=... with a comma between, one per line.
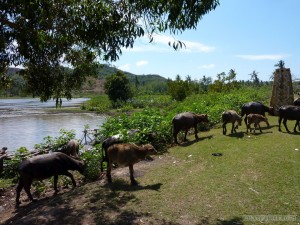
x=25, y=122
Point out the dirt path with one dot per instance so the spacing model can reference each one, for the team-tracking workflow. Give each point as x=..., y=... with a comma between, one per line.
x=85, y=204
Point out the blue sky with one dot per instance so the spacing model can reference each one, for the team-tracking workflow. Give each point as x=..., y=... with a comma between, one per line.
x=244, y=35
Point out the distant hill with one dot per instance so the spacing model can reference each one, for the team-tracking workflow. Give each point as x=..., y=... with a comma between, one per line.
x=107, y=70
x=152, y=82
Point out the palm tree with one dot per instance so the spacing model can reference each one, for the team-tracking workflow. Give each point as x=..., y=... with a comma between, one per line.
x=231, y=75
x=280, y=64
x=254, y=77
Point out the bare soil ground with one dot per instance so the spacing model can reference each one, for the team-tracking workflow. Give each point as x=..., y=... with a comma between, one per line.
x=90, y=203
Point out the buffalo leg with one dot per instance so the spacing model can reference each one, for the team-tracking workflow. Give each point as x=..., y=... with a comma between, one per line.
x=71, y=177
x=27, y=185
x=196, y=132
x=249, y=127
x=297, y=122
x=224, y=128
x=108, y=172
x=245, y=120
x=233, y=129
x=259, y=128
x=55, y=183
x=175, y=136
x=185, y=134
x=19, y=189
x=254, y=129
x=279, y=123
x=133, y=181
x=284, y=123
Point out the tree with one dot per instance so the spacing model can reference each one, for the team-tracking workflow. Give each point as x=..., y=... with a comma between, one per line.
x=44, y=35
x=178, y=89
x=231, y=76
x=280, y=64
x=254, y=77
x=117, y=87
x=204, y=82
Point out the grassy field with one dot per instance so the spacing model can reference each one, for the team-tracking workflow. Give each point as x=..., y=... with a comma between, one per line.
x=258, y=174
x=255, y=181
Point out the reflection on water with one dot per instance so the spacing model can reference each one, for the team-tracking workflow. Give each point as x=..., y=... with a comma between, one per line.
x=24, y=123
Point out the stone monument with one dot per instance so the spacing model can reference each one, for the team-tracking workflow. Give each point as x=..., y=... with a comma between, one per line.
x=282, y=92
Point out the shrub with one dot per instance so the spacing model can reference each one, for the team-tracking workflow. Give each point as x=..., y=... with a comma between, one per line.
x=92, y=160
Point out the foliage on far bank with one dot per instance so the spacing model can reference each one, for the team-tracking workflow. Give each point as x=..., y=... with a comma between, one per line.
x=157, y=119
x=117, y=87
x=153, y=121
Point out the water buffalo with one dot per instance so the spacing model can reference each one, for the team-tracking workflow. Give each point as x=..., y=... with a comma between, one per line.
x=297, y=102
x=289, y=112
x=118, y=138
x=231, y=116
x=256, y=119
x=45, y=166
x=126, y=154
x=255, y=108
x=185, y=121
x=71, y=149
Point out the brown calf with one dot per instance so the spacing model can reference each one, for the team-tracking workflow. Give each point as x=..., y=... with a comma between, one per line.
x=256, y=119
x=126, y=154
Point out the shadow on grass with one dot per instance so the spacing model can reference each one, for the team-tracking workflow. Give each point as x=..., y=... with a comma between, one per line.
x=121, y=185
x=188, y=143
x=237, y=135
x=92, y=203
x=257, y=132
x=233, y=221
x=291, y=132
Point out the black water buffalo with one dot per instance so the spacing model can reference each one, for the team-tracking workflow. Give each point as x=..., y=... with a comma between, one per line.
x=297, y=102
x=231, y=116
x=45, y=166
x=289, y=112
x=255, y=108
x=185, y=121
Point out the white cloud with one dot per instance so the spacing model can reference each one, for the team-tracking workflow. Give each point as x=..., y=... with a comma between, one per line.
x=142, y=63
x=161, y=44
x=207, y=66
x=190, y=46
x=198, y=47
x=262, y=57
x=125, y=67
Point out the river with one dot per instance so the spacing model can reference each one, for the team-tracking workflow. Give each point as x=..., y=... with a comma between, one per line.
x=25, y=122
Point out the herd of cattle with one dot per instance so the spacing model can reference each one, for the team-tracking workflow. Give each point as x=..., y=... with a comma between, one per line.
x=125, y=154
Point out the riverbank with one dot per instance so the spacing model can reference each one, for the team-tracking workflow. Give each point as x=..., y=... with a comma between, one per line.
x=26, y=122
x=249, y=183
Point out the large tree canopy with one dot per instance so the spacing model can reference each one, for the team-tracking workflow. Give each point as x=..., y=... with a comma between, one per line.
x=44, y=35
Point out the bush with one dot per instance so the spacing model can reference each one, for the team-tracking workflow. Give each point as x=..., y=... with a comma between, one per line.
x=92, y=160
x=11, y=166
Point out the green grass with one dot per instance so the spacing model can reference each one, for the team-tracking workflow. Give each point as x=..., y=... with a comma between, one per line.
x=258, y=174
